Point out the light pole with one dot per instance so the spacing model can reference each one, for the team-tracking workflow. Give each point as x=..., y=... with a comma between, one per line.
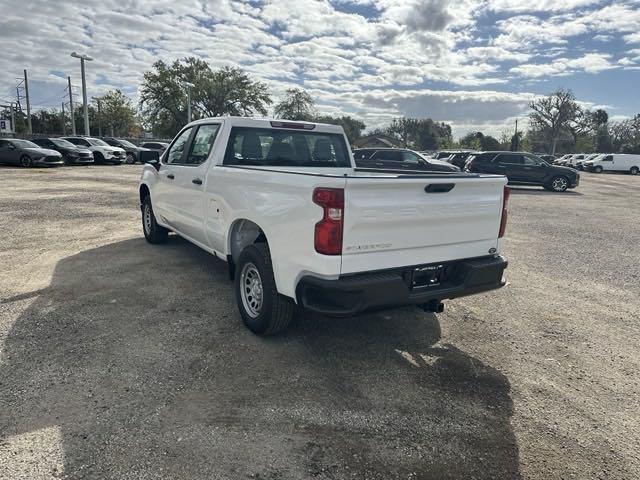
x=84, y=89
x=189, y=87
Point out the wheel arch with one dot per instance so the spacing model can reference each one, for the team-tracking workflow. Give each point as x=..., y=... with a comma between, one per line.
x=144, y=192
x=242, y=233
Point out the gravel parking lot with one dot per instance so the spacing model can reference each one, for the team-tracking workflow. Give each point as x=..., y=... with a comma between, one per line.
x=120, y=359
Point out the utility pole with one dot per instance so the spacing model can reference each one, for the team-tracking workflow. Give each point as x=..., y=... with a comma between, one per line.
x=63, y=131
x=73, y=118
x=99, y=118
x=516, y=146
x=13, y=117
x=26, y=92
x=189, y=86
x=84, y=90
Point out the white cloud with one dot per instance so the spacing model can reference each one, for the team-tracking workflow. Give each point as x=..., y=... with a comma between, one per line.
x=590, y=63
x=632, y=38
x=376, y=67
x=538, y=5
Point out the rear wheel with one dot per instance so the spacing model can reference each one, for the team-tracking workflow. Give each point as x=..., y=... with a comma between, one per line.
x=598, y=169
x=264, y=311
x=153, y=232
x=559, y=183
x=25, y=161
x=634, y=170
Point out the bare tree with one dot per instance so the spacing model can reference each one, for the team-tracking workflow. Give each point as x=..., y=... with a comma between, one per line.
x=553, y=115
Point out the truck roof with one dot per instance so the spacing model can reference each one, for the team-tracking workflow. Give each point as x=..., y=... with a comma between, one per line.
x=273, y=123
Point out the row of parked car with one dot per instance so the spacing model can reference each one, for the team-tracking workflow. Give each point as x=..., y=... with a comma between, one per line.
x=601, y=162
x=52, y=151
x=519, y=167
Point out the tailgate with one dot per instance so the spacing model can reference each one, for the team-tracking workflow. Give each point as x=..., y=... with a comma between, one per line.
x=396, y=222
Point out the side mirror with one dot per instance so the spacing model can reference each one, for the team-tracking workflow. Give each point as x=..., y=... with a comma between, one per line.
x=150, y=157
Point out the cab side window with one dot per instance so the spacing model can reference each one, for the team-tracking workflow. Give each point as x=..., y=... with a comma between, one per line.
x=608, y=158
x=388, y=155
x=531, y=160
x=176, y=152
x=510, y=159
x=202, y=143
x=410, y=157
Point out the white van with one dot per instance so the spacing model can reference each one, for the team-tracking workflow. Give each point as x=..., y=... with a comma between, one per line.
x=614, y=162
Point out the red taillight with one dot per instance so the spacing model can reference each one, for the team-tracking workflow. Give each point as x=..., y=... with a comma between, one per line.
x=505, y=204
x=328, y=233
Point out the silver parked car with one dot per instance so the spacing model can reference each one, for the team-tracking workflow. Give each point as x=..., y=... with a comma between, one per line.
x=27, y=154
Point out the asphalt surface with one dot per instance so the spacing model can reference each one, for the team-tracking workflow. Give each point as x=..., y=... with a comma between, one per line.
x=124, y=360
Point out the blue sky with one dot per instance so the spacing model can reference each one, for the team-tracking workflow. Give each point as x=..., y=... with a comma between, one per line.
x=474, y=63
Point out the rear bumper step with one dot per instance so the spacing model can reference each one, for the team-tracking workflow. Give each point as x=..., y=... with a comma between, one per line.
x=353, y=294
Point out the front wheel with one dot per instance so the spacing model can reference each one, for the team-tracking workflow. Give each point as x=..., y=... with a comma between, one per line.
x=26, y=161
x=131, y=159
x=153, y=232
x=559, y=184
x=264, y=311
x=598, y=169
x=634, y=170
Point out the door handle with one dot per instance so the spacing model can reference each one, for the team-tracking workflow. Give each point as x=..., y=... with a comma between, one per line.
x=170, y=176
x=197, y=181
x=439, y=187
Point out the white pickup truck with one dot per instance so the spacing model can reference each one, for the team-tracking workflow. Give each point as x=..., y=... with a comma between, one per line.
x=284, y=205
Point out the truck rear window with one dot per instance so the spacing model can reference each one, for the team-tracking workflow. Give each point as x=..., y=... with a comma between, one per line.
x=275, y=147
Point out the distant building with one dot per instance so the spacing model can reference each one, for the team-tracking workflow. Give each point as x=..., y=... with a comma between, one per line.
x=377, y=141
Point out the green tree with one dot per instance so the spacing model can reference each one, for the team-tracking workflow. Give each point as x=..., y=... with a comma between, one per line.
x=625, y=135
x=479, y=141
x=297, y=104
x=78, y=115
x=471, y=141
x=599, y=118
x=404, y=129
x=584, y=144
x=353, y=127
x=227, y=91
x=553, y=115
x=420, y=134
x=117, y=114
x=46, y=121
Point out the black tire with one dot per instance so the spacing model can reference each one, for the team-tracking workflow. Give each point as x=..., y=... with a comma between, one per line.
x=275, y=311
x=597, y=169
x=131, y=159
x=634, y=170
x=559, y=183
x=98, y=158
x=153, y=232
x=25, y=161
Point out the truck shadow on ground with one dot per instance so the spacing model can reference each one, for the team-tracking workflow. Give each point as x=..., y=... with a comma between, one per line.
x=540, y=191
x=137, y=356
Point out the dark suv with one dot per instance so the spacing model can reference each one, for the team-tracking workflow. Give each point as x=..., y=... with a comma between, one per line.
x=133, y=151
x=525, y=169
x=399, y=159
